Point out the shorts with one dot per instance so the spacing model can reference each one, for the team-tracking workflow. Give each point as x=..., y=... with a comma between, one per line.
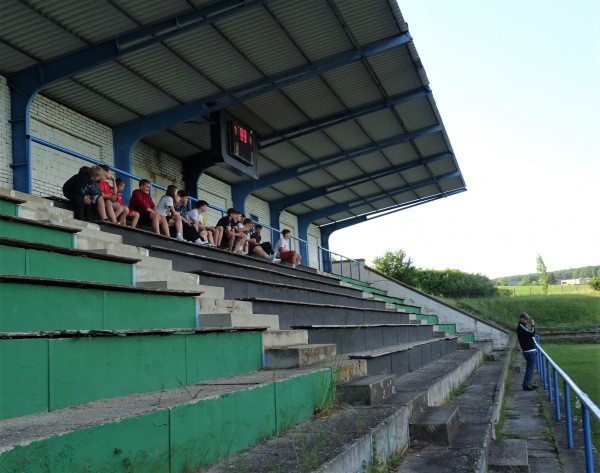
x=286, y=255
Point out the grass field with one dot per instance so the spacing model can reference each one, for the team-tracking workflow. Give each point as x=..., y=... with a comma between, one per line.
x=583, y=289
x=582, y=363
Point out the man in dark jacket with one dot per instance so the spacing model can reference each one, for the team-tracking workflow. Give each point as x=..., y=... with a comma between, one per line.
x=526, y=340
x=82, y=193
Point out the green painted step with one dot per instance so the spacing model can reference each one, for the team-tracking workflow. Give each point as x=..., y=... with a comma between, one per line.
x=51, y=262
x=450, y=328
x=45, y=374
x=9, y=206
x=431, y=319
x=29, y=230
x=467, y=337
x=33, y=304
x=166, y=431
x=354, y=282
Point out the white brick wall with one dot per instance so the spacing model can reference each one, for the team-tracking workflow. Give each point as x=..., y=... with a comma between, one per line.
x=160, y=167
x=216, y=193
x=64, y=127
x=5, y=136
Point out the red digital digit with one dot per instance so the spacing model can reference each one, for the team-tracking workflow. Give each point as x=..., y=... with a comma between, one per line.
x=243, y=135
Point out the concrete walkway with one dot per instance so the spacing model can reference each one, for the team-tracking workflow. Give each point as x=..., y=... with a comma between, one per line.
x=531, y=416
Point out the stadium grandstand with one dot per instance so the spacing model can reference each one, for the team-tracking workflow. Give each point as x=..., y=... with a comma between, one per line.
x=126, y=350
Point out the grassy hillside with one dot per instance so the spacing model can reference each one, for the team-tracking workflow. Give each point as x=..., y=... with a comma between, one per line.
x=582, y=289
x=551, y=310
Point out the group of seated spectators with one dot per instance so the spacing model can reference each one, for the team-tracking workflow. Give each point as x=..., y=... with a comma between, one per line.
x=96, y=188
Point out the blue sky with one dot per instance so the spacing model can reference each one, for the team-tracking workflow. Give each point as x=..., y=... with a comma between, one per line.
x=517, y=83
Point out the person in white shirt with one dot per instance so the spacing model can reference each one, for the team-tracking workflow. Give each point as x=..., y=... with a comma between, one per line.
x=282, y=249
x=198, y=218
x=166, y=208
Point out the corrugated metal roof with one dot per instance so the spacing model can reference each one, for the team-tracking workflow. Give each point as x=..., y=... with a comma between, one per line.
x=211, y=61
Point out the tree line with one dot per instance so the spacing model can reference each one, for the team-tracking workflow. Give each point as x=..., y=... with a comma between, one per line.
x=450, y=283
x=572, y=273
x=456, y=284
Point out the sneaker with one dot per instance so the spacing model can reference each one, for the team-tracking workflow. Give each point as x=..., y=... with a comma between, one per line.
x=200, y=241
x=241, y=251
x=212, y=245
x=293, y=266
x=529, y=388
x=179, y=236
x=272, y=259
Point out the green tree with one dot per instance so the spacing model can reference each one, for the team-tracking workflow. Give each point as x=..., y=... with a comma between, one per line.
x=552, y=279
x=595, y=283
x=542, y=273
x=454, y=283
x=526, y=281
x=397, y=265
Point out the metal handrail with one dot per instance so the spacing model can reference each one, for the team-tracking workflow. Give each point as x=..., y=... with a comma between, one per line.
x=549, y=369
x=350, y=260
x=83, y=157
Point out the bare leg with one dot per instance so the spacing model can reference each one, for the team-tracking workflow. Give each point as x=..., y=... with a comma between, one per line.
x=110, y=212
x=121, y=214
x=135, y=218
x=155, y=221
x=164, y=225
x=241, y=243
x=101, y=208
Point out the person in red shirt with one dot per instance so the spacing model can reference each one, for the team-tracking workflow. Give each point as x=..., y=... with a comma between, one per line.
x=141, y=202
x=134, y=216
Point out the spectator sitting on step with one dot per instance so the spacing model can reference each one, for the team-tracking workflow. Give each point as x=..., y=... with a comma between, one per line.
x=135, y=216
x=256, y=238
x=282, y=247
x=111, y=200
x=166, y=209
x=254, y=245
x=141, y=202
x=240, y=233
x=227, y=223
x=190, y=231
x=79, y=189
x=198, y=216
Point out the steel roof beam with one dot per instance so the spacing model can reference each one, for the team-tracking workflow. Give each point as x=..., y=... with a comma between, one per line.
x=128, y=134
x=278, y=137
x=294, y=199
x=31, y=80
x=341, y=207
x=242, y=190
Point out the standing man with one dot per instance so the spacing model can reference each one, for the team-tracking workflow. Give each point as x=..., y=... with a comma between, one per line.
x=526, y=340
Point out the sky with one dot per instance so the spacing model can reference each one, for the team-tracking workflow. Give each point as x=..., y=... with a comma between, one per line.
x=517, y=84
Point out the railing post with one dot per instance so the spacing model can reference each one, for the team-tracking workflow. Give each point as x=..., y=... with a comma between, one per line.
x=568, y=415
x=550, y=390
x=556, y=396
x=587, y=439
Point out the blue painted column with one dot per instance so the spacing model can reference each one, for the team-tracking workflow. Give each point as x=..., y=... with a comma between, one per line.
x=325, y=255
x=20, y=104
x=303, y=224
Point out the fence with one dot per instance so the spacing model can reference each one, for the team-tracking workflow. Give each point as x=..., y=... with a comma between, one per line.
x=302, y=244
x=350, y=262
x=549, y=374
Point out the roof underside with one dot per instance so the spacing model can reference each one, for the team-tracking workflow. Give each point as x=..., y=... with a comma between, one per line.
x=332, y=84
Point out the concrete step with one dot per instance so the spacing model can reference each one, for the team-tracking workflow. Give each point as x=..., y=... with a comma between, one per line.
x=145, y=273
x=508, y=455
x=229, y=319
x=284, y=338
x=212, y=292
x=298, y=356
x=434, y=425
x=146, y=261
x=367, y=390
x=208, y=305
x=179, y=429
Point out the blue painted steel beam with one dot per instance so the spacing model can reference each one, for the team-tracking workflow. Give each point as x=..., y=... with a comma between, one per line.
x=241, y=191
x=31, y=80
x=278, y=137
x=306, y=219
x=288, y=201
x=25, y=84
x=128, y=134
